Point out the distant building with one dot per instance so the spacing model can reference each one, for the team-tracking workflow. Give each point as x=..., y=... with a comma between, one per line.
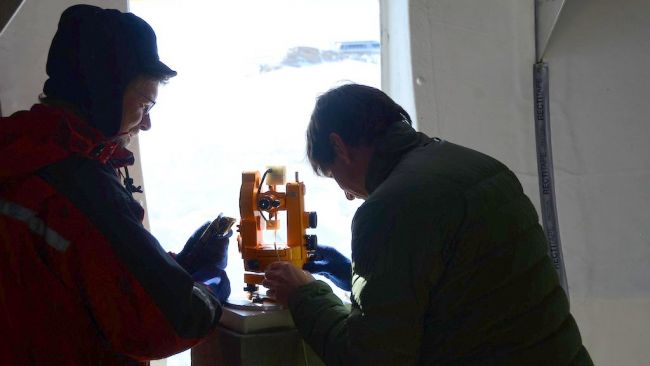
x=300, y=56
x=360, y=47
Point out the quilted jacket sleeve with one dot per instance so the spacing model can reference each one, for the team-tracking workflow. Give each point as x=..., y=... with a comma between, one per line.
x=394, y=270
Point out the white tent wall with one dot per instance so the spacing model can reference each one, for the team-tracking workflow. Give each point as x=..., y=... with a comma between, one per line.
x=598, y=58
x=472, y=66
x=24, y=46
x=396, y=71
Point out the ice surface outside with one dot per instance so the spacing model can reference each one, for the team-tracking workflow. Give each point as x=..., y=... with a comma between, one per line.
x=248, y=76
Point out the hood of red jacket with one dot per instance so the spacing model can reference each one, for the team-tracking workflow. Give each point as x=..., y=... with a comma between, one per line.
x=30, y=140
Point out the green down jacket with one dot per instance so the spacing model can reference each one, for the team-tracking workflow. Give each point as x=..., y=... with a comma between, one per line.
x=450, y=267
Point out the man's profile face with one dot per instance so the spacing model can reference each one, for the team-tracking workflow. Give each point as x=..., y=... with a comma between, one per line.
x=349, y=174
x=139, y=97
x=349, y=167
x=343, y=180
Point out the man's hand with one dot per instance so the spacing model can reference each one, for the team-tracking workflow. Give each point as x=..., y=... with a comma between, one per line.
x=330, y=263
x=283, y=279
x=204, y=251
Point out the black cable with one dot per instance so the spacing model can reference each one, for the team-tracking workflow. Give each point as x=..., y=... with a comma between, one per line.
x=263, y=177
x=128, y=183
x=259, y=189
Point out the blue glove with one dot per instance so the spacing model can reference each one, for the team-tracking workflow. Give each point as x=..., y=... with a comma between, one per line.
x=207, y=252
x=336, y=267
x=216, y=279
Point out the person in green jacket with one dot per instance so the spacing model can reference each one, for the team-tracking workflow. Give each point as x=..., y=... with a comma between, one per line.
x=449, y=262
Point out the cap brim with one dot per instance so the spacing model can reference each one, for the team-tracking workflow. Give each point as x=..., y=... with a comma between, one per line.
x=160, y=69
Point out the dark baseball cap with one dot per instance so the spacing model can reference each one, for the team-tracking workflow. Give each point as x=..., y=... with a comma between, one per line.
x=94, y=55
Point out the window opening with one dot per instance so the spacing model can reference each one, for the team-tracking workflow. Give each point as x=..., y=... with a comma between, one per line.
x=249, y=73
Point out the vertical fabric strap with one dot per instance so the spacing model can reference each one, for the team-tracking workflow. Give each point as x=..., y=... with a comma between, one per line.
x=545, y=171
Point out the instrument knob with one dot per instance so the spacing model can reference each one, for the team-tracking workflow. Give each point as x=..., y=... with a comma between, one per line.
x=311, y=242
x=264, y=203
x=313, y=220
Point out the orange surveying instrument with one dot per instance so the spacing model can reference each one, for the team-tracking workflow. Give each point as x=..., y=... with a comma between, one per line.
x=254, y=206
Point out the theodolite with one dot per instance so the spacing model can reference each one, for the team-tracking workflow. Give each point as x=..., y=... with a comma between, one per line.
x=254, y=206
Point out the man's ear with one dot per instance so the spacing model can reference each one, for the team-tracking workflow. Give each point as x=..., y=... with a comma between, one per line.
x=340, y=148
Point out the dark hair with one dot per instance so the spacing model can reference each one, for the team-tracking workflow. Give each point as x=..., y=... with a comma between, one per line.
x=94, y=55
x=358, y=113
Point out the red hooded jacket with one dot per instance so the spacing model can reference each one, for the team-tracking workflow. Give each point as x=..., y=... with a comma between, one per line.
x=82, y=281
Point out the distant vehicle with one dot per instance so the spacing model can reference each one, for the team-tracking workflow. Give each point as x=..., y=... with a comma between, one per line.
x=360, y=47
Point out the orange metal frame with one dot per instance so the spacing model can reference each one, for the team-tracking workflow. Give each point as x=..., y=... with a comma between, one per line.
x=256, y=254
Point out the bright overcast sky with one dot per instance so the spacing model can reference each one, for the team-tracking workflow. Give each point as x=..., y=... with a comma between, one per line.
x=253, y=27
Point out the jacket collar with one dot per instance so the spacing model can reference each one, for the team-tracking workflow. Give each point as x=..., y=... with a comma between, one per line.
x=85, y=139
x=45, y=134
x=400, y=138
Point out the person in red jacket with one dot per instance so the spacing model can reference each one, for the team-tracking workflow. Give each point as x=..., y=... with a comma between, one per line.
x=82, y=282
